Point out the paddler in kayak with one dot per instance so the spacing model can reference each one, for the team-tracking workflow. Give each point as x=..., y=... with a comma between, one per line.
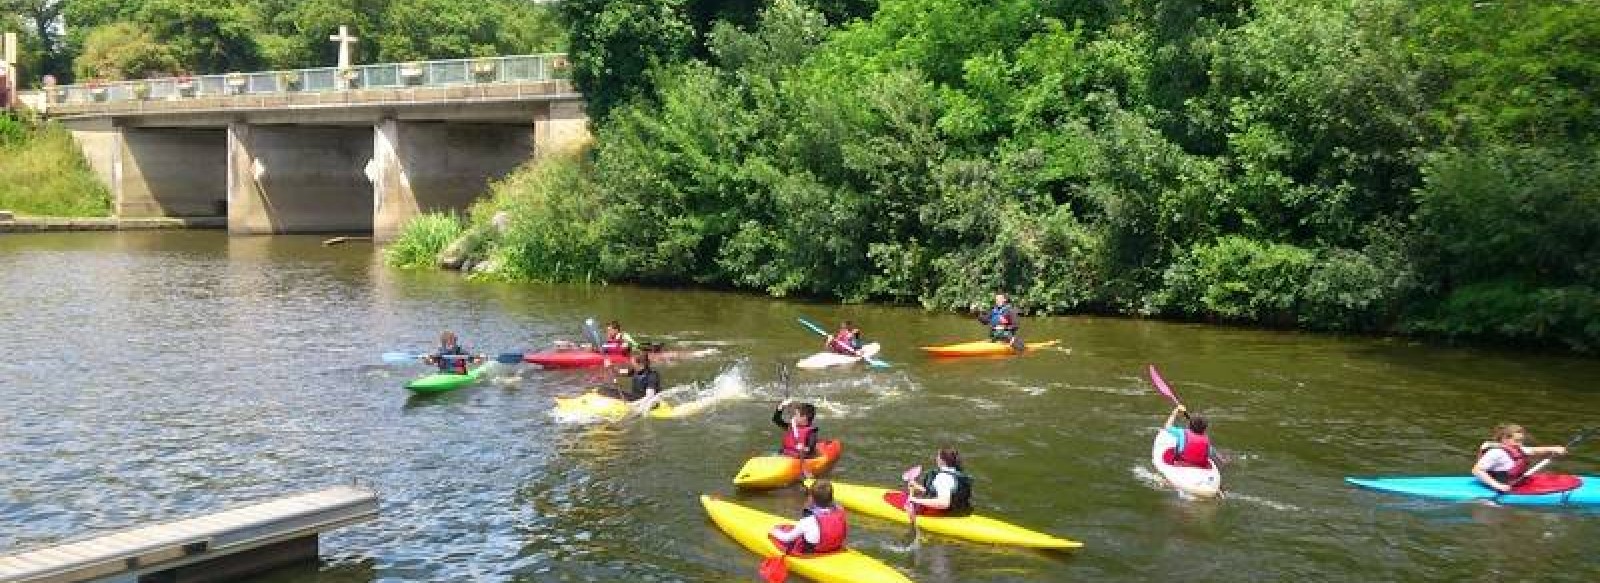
x=944, y=492
x=616, y=341
x=1194, y=446
x=846, y=341
x=1001, y=320
x=1503, y=462
x=640, y=381
x=799, y=435
x=450, y=357
x=821, y=529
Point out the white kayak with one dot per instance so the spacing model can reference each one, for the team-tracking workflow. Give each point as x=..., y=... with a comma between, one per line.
x=827, y=359
x=1199, y=482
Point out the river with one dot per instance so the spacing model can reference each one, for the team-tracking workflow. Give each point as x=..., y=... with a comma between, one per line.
x=159, y=375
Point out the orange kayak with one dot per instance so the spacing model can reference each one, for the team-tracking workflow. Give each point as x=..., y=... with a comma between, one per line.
x=982, y=348
x=777, y=471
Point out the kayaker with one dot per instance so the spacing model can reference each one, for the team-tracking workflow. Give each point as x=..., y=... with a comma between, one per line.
x=1504, y=461
x=1194, y=446
x=450, y=357
x=822, y=527
x=799, y=435
x=616, y=341
x=642, y=380
x=945, y=492
x=1001, y=319
x=846, y=341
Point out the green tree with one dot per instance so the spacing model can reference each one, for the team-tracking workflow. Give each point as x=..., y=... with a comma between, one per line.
x=616, y=43
x=124, y=50
x=204, y=36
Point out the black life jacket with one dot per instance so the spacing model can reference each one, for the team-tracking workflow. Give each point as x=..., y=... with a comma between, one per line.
x=960, y=499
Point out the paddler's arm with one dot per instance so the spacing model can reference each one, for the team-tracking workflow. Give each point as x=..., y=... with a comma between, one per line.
x=1482, y=473
x=1546, y=451
x=1174, y=417
x=777, y=415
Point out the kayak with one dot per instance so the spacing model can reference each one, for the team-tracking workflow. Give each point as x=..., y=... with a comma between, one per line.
x=750, y=529
x=594, y=404
x=1202, y=482
x=445, y=381
x=1535, y=491
x=777, y=471
x=887, y=504
x=827, y=359
x=982, y=348
x=573, y=359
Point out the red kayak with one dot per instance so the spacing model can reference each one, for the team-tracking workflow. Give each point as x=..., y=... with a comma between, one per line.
x=574, y=359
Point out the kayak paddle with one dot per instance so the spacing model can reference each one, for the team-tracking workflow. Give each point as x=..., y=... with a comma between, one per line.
x=592, y=332
x=910, y=476
x=776, y=569
x=394, y=357
x=873, y=362
x=1161, y=385
x=509, y=358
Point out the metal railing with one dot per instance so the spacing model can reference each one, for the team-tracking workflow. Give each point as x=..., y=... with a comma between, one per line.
x=444, y=73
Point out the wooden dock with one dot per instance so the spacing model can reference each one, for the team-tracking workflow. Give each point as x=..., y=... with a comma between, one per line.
x=216, y=547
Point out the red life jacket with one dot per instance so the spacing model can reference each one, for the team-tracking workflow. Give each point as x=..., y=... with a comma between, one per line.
x=1519, y=462
x=831, y=523
x=614, y=344
x=1196, y=450
x=796, y=437
x=843, y=343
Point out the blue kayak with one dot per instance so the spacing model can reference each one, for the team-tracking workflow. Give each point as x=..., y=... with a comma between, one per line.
x=1468, y=488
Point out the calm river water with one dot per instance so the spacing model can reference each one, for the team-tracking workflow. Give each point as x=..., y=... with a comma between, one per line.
x=156, y=376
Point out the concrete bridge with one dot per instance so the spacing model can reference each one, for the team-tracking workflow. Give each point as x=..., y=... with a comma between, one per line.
x=321, y=150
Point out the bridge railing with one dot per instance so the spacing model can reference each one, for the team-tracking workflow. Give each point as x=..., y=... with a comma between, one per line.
x=442, y=73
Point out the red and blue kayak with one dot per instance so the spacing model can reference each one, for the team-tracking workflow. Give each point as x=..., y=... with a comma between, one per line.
x=1536, y=490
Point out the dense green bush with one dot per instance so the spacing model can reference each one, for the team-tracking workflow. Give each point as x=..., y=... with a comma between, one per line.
x=422, y=239
x=1361, y=165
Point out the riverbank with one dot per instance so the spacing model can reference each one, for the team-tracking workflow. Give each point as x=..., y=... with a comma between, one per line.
x=43, y=173
x=53, y=224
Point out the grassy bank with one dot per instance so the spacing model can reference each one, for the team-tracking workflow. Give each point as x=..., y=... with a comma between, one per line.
x=42, y=172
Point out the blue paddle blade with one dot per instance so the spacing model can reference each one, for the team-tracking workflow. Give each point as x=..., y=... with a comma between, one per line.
x=396, y=357
x=812, y=326
x=875, y=363
x=509, y=358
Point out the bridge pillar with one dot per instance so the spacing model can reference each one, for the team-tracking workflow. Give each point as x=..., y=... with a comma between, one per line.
x=297, y=179
x=420, y=167
x=560, y=125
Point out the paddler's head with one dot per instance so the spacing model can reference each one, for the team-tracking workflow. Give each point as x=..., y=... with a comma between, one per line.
x=821, y=493
x=447, y=339
x=948, y=458
x=805, y=413
x=1001, y=299
x=1197, y=423
x=1510, y=433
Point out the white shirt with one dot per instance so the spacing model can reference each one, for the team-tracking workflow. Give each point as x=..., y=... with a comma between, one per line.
x=807, y=527
x=1496, y=460
x=944, y=483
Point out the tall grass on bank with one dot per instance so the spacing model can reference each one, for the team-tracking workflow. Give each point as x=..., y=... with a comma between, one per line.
x=422, y=239
x=42, y=172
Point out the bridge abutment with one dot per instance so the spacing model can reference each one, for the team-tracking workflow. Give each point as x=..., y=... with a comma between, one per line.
x=421, y=166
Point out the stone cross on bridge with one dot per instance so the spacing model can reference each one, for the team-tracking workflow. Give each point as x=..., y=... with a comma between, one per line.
x=345, y=42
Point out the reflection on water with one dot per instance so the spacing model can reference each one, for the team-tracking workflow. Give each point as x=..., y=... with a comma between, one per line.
x=168, y=374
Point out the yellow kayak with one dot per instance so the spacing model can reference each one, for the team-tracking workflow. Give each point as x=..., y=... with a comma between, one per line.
x=750, y=527
x=777, y=471
x=594, y=404
x=982, y=348
x=869, y=500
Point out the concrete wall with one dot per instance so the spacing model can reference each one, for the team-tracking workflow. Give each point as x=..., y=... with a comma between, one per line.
x=433, y=166
x=170, y=172
x=561, y=125
x=298, y=179
x=101, y=143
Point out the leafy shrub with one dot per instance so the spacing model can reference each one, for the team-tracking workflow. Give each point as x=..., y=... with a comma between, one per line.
x=422, y=239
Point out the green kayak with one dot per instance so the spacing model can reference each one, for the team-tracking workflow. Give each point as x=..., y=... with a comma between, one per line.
x=442, y=382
